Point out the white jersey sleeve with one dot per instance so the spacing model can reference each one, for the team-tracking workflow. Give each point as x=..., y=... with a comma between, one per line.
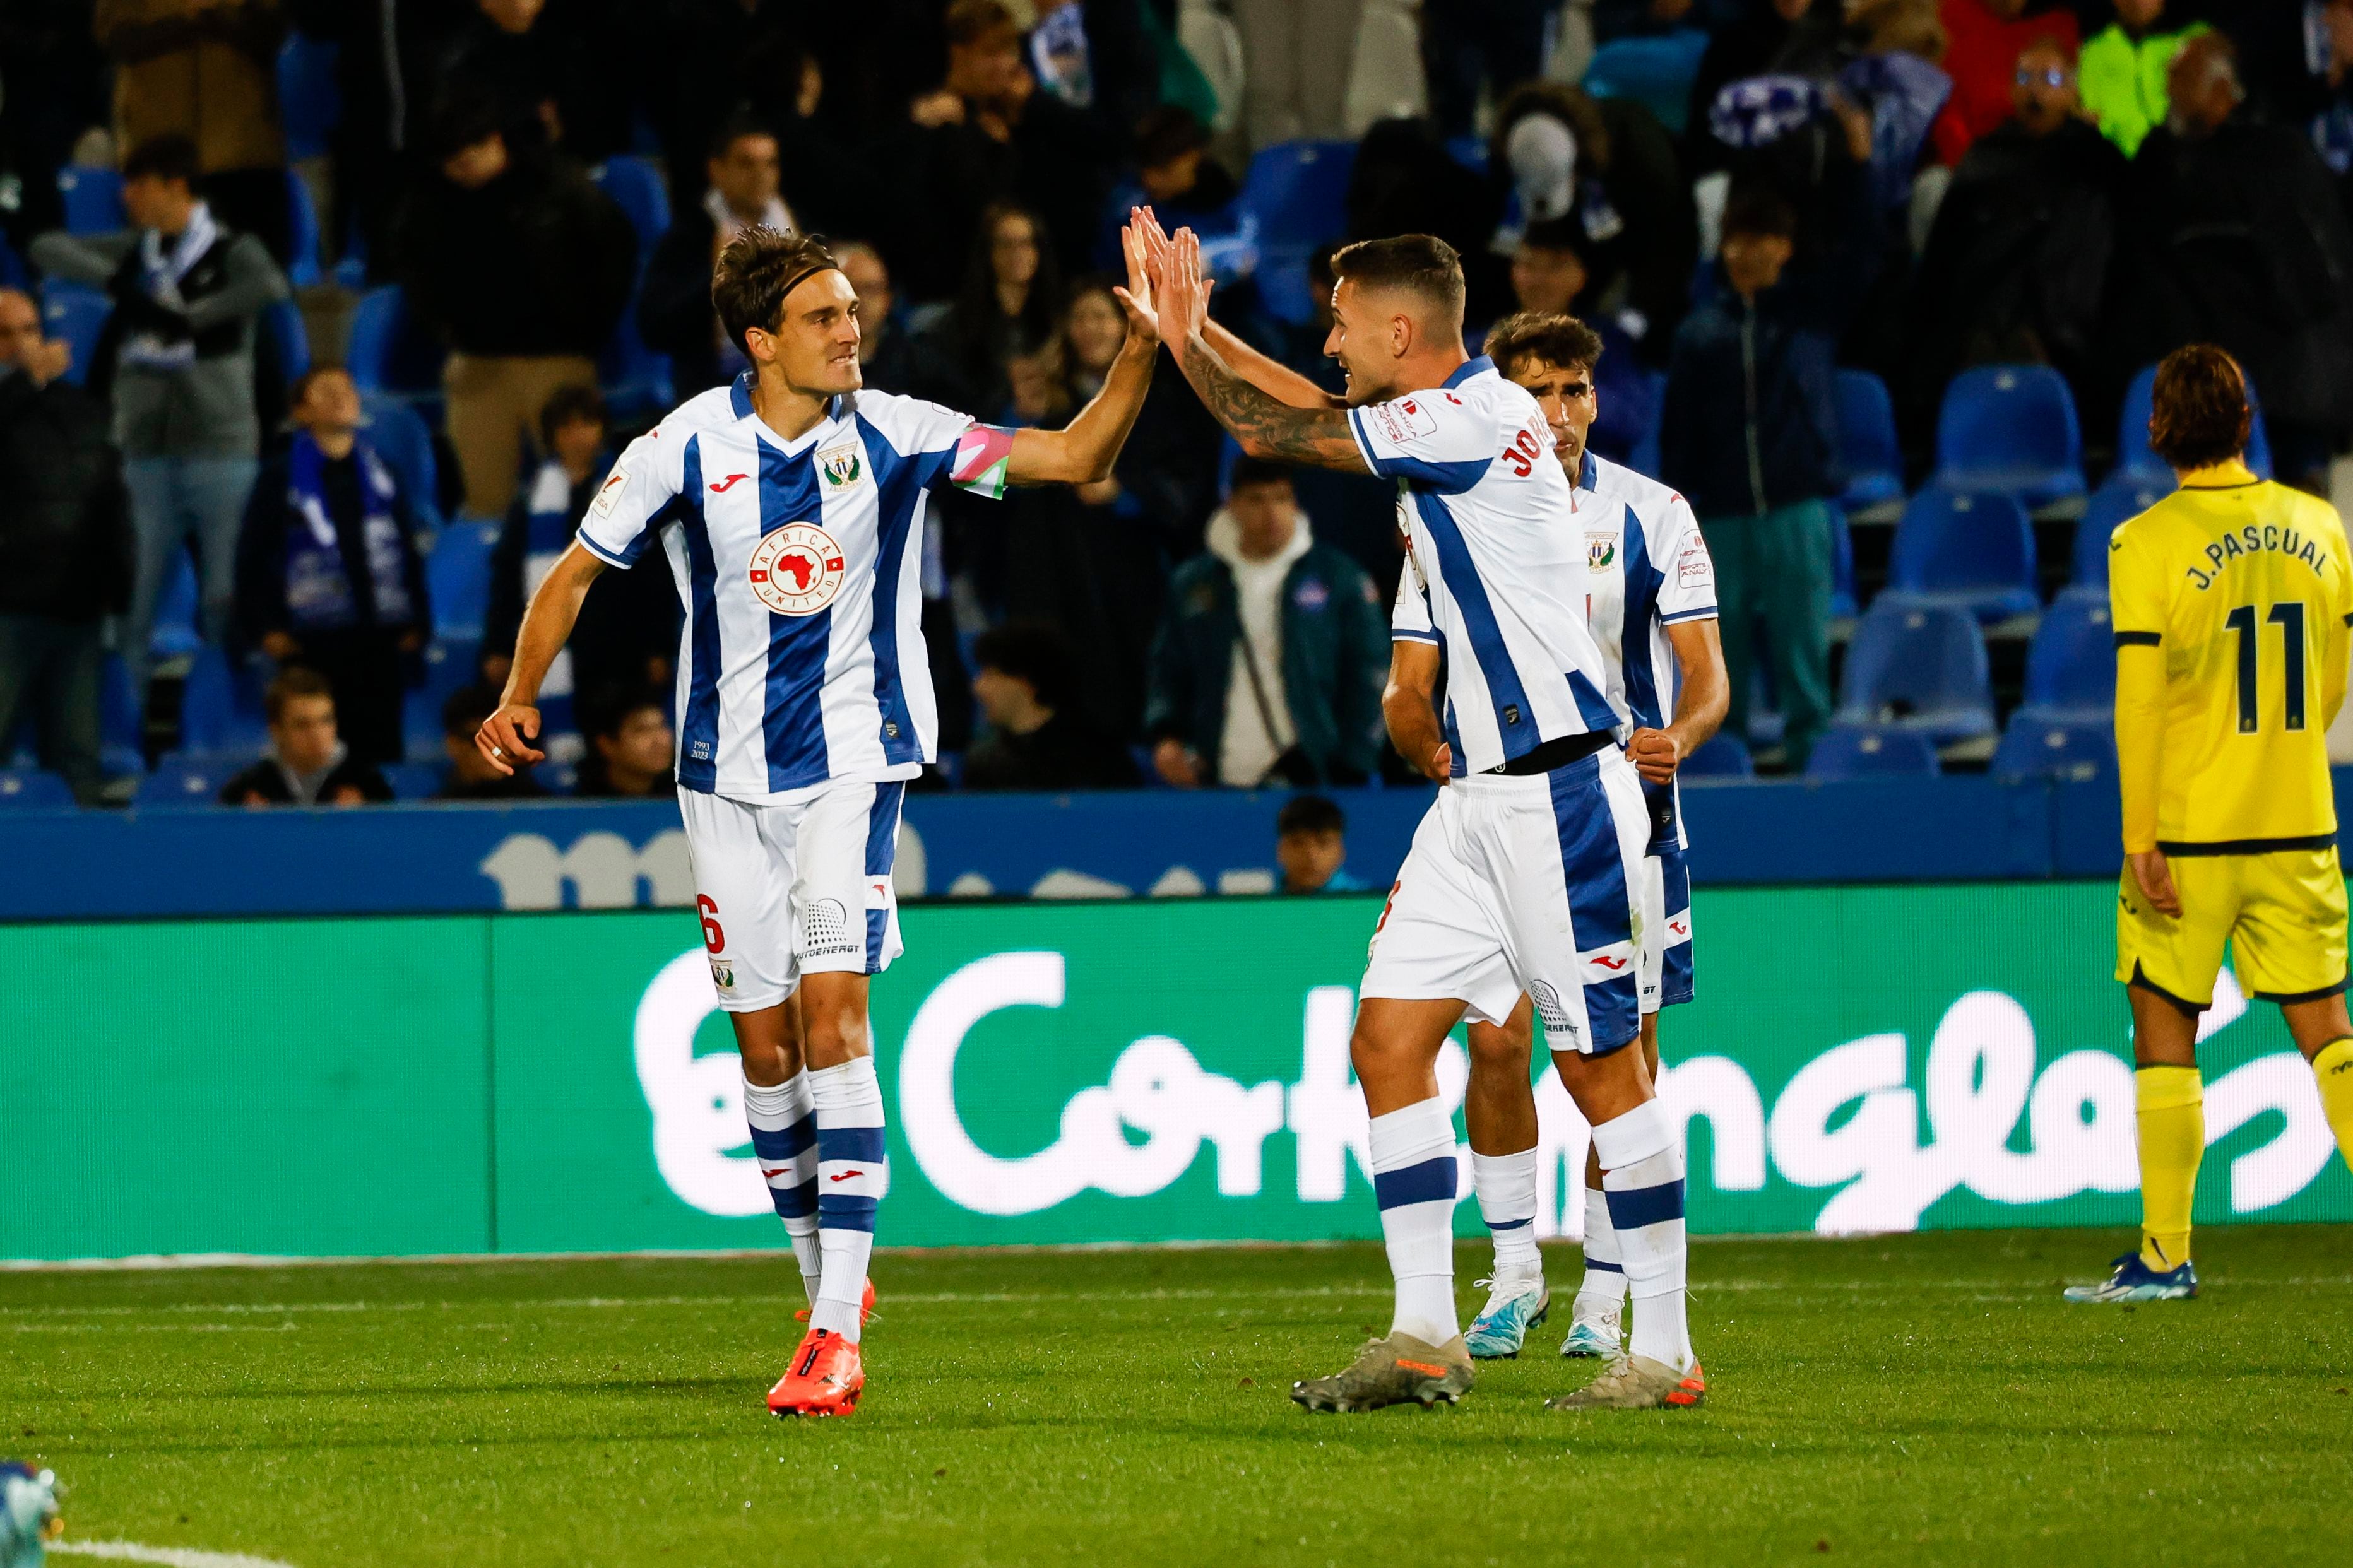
x=950, y=449
x=1436, y=440
x=1687, y=572
x=1410, y=621
x=627, y=510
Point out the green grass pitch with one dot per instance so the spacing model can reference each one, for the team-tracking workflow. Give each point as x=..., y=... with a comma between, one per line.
x=1921, y=1399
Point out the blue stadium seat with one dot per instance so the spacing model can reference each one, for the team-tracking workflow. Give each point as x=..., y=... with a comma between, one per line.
x=1297, y=193
x=289, y=338
x=93, y=199
x=310, y=103
x=1843, y=602
x=458, y=575
x=121, y=730
x=174, y=634
x=302, y=233
x=1870, y=751
x=636, y=187
x=387, y=351
x=1655, y=72
x=180, y=779
x=76, y=313
x=449, y=663
x=636, y=381
x=220, y=714
x=1721, y=756
x=2040, y=744
x=413, y=781
x=2133, y=455
x=1645, y=457
x=2012, y=428
x=401, y=438
x=1868, y=448
x=1471, y=151
x=1919, y=665
x=2123, y=494
x=2070, y=665
x=1976, y=550
x=30, y=789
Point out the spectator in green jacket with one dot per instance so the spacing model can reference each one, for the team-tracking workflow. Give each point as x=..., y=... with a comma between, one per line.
x=1271, y=652
x=2122, y=70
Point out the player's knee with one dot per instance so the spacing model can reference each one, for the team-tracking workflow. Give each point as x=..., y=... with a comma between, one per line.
x=1499, y=1051
x=833, y=1023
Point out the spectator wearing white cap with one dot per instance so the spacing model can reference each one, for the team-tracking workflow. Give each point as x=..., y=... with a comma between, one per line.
x=1606, y=166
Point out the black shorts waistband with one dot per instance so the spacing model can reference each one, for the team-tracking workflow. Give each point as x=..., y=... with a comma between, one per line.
x=2248, y=846
x=1552, y=754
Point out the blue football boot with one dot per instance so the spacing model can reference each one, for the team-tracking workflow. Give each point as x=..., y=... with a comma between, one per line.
x=2136, y=1281
x=1515, y=1305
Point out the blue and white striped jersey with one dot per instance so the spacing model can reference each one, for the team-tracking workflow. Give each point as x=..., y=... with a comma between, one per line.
x=801, y=660
x=1494, y=558
x=1646, y=568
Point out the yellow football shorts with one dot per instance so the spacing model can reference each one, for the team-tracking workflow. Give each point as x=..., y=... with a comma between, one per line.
x=2283, y=915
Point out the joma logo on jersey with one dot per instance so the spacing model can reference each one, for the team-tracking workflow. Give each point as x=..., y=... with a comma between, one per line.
x=796, y=570
x=842, y=466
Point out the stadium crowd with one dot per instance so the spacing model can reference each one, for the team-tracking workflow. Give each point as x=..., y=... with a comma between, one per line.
x=320, y=319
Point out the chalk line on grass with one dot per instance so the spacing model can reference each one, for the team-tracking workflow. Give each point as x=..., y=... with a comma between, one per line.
x=167, y=1557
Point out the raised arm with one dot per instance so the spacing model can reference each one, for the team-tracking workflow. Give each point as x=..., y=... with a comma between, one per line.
x=1083, y=451
x=1263, y=425
x=506, y=735
x=1269, y=374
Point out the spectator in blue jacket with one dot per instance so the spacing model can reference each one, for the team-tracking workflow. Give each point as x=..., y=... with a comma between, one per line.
x=328, y=574
x=1549, y=274
x=1271, y=652
x=1749, y=435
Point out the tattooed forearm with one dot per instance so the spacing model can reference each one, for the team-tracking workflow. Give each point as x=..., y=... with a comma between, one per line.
x=1265, y=427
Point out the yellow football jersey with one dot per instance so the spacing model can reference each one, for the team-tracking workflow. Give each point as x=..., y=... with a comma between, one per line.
x=2231, y=602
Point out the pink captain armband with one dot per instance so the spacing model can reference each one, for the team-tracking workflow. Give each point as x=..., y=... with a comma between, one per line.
x=984, y=461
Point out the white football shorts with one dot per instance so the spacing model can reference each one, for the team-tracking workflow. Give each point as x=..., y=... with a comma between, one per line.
x=1526, y=885
x=1666, y=929
x=788, y=890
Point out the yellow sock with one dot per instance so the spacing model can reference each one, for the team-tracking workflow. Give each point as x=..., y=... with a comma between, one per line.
x=2172, y=1104
x=2334, y=1067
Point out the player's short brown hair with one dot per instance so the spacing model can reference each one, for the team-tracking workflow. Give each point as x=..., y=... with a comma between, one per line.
x=758, y=269
x=1418, y=264
x=2198, y=413
x=1561, y=342
x=291, y=682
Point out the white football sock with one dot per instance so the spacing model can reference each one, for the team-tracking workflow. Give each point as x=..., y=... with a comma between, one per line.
x=853, y=1174
x=1603, y=1290
x=1506, y=1186
x=1415, y=1178
x=783, y=1141
x=1643, y=1173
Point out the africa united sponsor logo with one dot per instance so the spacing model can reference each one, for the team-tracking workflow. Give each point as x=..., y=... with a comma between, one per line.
x=1600, y=552
x=796, y=570
x=842, y=466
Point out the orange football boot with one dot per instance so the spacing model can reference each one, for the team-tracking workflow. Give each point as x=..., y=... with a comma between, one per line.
x=825, y=1379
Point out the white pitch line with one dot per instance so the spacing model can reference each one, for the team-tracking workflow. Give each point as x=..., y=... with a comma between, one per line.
x=167, y=1556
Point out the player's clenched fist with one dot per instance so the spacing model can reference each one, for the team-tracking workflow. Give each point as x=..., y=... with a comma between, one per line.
x=1654, y=754
x=506, y=735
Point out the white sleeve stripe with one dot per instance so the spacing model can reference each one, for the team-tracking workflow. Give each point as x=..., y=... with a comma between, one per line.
x=1364, y=446
x=602, y=554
